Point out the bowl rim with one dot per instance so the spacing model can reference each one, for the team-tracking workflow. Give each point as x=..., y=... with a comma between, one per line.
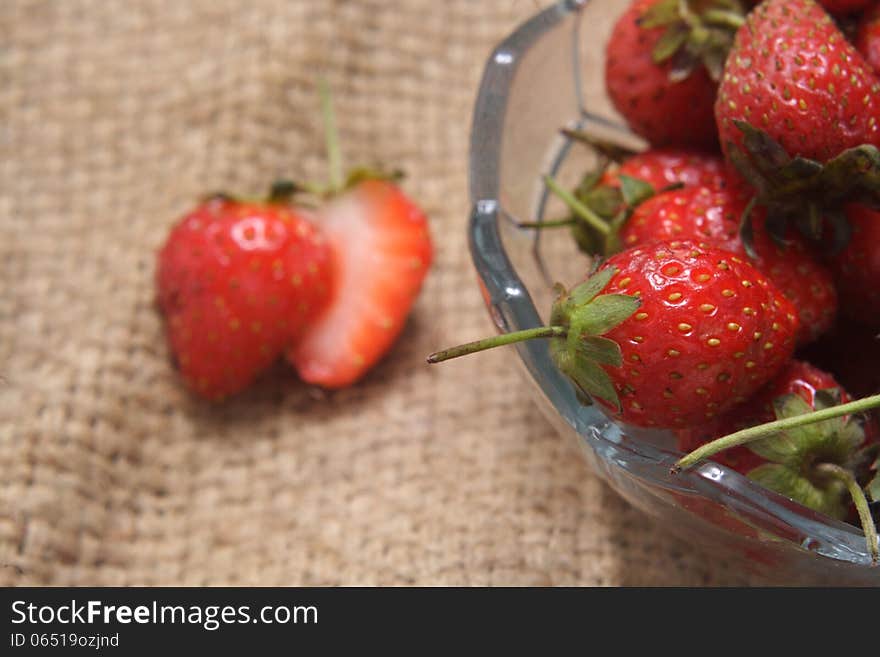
x=511, y=308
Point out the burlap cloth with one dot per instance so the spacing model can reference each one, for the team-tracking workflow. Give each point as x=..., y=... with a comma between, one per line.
x=114, y=117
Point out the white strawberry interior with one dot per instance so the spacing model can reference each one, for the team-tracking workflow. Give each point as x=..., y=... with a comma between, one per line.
x=371, y=252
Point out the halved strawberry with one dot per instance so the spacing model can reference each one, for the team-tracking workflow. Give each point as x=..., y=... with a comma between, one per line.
x=383, y=251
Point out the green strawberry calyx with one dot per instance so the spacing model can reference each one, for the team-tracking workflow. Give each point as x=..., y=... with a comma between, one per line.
x=696, y=32
x=598, y=212
x=804, y=193
x=578, y=321
x=814, y=455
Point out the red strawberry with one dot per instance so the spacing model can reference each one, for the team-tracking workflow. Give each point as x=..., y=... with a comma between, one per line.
x=857, y=268
x=658, y=167
x=662, y=167
x=713, y=216
x=792, y=74
x=654, y=70
x=383, y=251
x=238, y=282
x=602, y=191
x=668, y=334
x=712, y=328
x=823, y=465
x=837, y=7
x=798, y=377
x=868, y=37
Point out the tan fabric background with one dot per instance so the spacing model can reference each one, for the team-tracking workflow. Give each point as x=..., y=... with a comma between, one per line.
x=114, y=117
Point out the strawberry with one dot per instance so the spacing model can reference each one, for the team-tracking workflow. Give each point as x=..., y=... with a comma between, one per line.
x=238, y=282
x=383, y=251
x=662, y=167
x=868, y=37
x=713, y=216
x=658, y=167
x=660, y=63
x=823, y=465
x=792, y=74
x=857, y=268
x=837, y=7
x=666, y=335
x=609, y=193
x=797, y=377
x=244, y=282
x=797, y=114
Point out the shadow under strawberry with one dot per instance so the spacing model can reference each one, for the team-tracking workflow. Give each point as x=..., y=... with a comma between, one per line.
x=277, y=391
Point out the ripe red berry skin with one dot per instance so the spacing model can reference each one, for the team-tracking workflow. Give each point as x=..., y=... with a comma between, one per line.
x=237, y=283
x=868, y=37
x=710, y=331
x=643, y=93
x=856, y=269
x=797, y=377
x=713, y=216
x=661, y=167
x=837, y=7
x=792, y=74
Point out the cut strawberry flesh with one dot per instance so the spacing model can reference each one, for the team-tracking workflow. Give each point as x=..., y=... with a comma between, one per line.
x=383, y=251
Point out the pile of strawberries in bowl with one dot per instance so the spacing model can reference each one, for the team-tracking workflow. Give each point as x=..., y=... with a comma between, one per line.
x=735, y=295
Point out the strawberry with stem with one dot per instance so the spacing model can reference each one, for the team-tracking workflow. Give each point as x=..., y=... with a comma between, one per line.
x=623, y=179
x=792, y=73
x=797, y=112
x=666, y=335
x=812, y=452
x=382, y=250
x=797, y=377
x=705, y=214
x=663, y=59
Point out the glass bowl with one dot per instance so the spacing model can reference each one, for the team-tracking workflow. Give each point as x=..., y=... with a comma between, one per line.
x=546, y=75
